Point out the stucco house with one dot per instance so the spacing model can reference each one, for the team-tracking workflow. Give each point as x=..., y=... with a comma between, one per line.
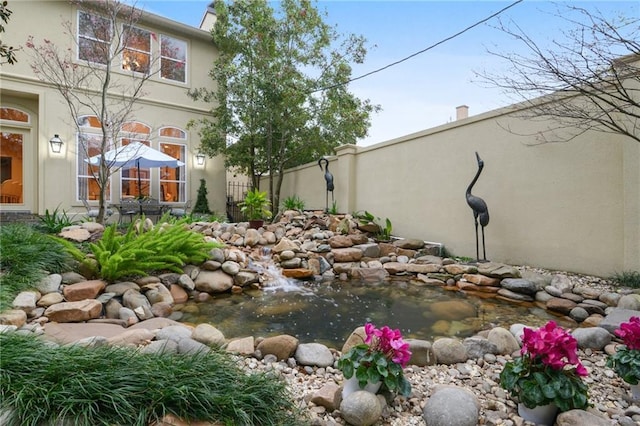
x=42, y=161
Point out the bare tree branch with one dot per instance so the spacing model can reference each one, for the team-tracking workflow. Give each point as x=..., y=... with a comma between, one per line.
x=587, y=81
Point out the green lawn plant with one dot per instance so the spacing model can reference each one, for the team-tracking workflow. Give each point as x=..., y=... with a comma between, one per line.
x=54, y=222
x=255, y=205
x=383, y=229
x=165, y=247
x=293, y=203
x=107, y=385
x=26, y=256
x=627, y=279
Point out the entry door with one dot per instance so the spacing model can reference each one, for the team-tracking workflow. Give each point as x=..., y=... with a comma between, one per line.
x=13, y=179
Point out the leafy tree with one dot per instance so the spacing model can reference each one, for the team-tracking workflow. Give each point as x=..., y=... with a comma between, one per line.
x=202, y=204
x=7, y=53
x=112, y=98
x=593, y=73
x=281, y=95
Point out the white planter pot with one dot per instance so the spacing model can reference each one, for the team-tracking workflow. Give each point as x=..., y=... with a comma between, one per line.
x=540, y=415
x=351, y=385
x=635, y=392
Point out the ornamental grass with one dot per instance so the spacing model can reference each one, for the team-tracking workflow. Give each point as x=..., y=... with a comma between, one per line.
x=44, y=384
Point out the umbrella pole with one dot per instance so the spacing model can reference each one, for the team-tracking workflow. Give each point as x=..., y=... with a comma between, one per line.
x=139, y=180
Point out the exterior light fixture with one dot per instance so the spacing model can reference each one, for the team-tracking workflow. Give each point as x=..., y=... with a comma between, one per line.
x=56, y=144
x=200, y=159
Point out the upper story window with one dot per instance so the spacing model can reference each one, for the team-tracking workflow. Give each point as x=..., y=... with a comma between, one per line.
x=173, y=58
x=94, y=37
x=143, y=51
x=137, y=53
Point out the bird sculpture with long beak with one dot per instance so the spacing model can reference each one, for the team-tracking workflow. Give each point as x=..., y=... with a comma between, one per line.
x=480, y=210
x=328, y=177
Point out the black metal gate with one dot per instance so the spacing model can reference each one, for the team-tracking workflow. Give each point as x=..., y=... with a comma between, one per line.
x=236, y=191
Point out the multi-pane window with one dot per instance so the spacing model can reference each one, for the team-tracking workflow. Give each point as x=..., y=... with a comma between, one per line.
x=12, y=155
x=173, y=59
x=137, y=53
x=135, y=181
x=173, y=180
x=94, y=37
x=89, y=145
x=141, y=48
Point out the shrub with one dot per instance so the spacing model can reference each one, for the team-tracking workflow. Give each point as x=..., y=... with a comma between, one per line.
x=293, y=203
x=106, y=385
x=202, y=204
x=52, y=223
x=26, y=256
x=627, y=279
x=139, y=252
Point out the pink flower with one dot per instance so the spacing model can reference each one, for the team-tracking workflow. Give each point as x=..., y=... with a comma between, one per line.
x=389, y=342
x=629, y=332
x=552, y=346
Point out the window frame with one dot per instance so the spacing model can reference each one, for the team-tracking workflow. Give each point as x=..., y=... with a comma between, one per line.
x=182, y=142
x=136, y=51
x=173, y=60
x=82, y=154
x=92, y=39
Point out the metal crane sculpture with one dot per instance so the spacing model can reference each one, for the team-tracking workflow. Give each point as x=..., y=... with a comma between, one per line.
x=328, y=177
x=480, y=210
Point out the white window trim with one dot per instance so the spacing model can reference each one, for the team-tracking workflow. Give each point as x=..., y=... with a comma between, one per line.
x=79, y=36
x=186, y=59
x=125, y=48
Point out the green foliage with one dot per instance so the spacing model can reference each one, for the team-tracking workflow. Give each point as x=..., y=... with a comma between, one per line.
x=106, y=385
x=293, y=203
x=626, y=363
x=255, y=205
x=627, y=279
x=280, y=92
x=334, y=208
x=53, y=223
x=164, y=247
x=26, y=256
x=381, y=231
x=541, y=385
x=372, y=367
x=7, y=53
x=202, y=204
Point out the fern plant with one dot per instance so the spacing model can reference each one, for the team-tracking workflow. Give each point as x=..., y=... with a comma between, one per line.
x=163, y=248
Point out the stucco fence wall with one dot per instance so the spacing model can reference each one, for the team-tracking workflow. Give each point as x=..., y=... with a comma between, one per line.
x=572, y=206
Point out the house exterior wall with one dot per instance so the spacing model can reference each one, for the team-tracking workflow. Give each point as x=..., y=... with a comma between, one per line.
x=50, y=179
x=572, y=206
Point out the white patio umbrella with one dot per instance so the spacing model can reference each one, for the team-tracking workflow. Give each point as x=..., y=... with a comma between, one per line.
x=136, y=154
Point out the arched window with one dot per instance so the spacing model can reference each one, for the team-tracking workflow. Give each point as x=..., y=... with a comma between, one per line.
x=89, y=144
x=173, y=181
x=12, y=155
x=135, y=182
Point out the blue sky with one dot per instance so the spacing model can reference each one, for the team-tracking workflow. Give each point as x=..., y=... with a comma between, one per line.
x=424, y=91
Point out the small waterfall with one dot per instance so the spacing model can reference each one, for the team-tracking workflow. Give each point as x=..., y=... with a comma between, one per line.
x=272, y=278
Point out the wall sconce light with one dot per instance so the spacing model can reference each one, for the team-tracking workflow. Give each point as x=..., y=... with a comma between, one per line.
x=56, y=144
x=200, y=159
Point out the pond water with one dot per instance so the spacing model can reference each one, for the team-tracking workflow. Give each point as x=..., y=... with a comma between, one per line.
x=327, y=312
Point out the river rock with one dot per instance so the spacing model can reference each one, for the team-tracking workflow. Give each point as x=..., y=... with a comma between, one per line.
x=209, y=335
x=630, y=301
x=315, y=354
x=13, y=317
x=453, y=310
x=213, y=281
x=282, y=347
x=562, y=283
x=449, y=351
x=519, y=285
x=137, y=302
x=26, y=300
x=580, y=417
x=83, y=310
x=592, y=337
x=505, y=341
x=120, y=288
x=561, y=305
x=50, y=299
x=347, y=254
x=361, y=408
x=451, y=405
x=49, y=284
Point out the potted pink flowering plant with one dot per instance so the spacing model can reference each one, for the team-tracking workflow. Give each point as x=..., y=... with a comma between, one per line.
x=626, y=360
x=548, y=372
x=380, y=359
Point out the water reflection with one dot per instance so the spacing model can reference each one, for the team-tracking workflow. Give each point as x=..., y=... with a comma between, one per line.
x=328, y=312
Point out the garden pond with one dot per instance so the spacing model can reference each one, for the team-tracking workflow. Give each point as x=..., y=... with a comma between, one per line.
x=327, y=312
